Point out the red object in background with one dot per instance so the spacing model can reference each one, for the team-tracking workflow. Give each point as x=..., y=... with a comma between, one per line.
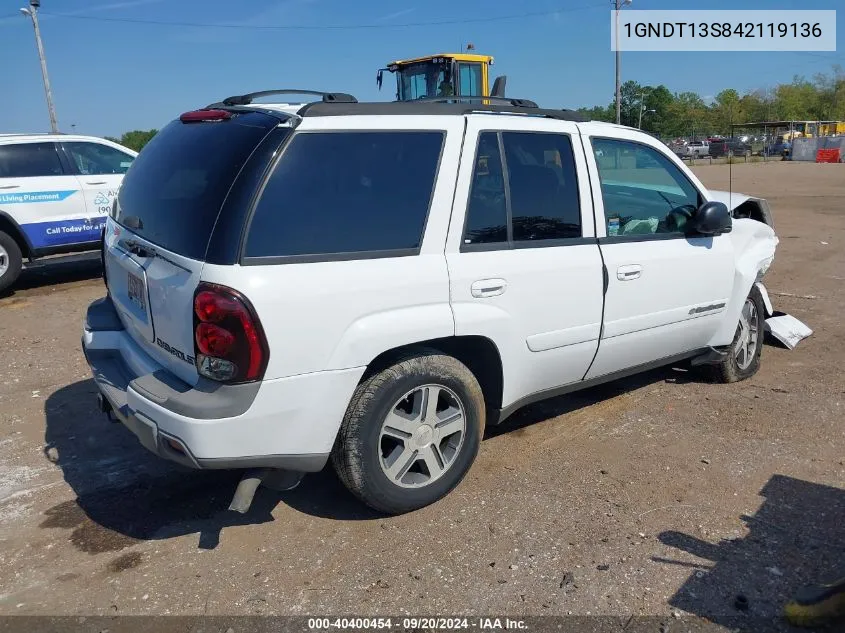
x=828, y=155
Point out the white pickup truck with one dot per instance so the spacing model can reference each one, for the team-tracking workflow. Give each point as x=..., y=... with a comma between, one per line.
x=373, y=283
x=694, y=149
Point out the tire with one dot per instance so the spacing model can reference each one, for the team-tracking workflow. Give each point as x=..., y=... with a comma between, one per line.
x=10, y=261
x=367, y=449
x=735, y=367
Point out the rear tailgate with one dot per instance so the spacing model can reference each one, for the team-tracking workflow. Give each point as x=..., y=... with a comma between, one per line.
x=153, y=293
x=157, y=240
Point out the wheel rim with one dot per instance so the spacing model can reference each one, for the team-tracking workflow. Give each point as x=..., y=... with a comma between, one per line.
x=421, y=437
x=4, y=261
x=746, y=345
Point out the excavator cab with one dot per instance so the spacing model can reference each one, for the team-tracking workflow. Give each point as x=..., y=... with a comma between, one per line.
x=443, y=75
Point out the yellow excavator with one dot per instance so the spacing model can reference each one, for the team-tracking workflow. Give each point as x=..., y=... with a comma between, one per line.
x=443, y=75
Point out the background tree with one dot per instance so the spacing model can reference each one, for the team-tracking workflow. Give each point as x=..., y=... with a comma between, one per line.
x=686, y=114
x=136, y=139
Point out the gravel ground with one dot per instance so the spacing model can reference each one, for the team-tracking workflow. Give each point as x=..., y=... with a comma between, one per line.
x=653, y=495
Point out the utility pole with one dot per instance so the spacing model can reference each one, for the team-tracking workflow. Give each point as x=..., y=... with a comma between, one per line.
x=642, y=107
x=32, y=12
x=619, y=4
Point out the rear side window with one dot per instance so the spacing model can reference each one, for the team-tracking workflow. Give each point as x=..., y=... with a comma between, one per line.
x=178, y=183
x=28, y=160
x=543, y=186
x=535, y=200
x=487, y=213
x=335, y=193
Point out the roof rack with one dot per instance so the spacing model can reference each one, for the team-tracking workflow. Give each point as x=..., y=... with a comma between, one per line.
x=438, y=106
x=326, y=97
x=519, y=103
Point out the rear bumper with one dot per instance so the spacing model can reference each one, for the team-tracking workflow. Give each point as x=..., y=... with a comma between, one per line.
x=288, y=423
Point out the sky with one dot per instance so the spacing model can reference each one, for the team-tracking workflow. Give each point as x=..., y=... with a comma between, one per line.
x=110, y=76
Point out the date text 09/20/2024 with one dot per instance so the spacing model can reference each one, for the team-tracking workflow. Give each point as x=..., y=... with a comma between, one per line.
x=406, y=623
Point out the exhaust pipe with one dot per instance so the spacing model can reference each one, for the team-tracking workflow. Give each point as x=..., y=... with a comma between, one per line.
x=105, y=407
x=273, y=478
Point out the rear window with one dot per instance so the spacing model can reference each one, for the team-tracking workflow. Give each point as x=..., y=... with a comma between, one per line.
x=347, y=193
x=180, y=180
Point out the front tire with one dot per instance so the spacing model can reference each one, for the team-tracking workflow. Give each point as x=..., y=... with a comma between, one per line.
x=743, y=358
x=410, y=433
x=11, y=261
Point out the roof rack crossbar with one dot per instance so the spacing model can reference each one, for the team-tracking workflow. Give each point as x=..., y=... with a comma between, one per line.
x=519, y=103
x=435, y=107
x=326, y=97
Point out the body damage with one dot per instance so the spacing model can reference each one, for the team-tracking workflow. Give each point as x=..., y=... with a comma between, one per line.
x=744, y=206
x=754, y=245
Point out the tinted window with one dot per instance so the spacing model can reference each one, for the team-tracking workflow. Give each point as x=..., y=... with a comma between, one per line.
x=178, y=184
x=347, y=192
x=26, y=160
x=644, y=192
x=542, y=185
x=93, y=158
x=487, y=215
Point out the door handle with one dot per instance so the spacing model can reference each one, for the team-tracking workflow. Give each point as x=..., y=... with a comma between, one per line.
x=99, y=182
x=629, y=272
x=488, y=287
x=10, y=187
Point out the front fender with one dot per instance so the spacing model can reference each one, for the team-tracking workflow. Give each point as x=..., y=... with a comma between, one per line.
x=754, y=245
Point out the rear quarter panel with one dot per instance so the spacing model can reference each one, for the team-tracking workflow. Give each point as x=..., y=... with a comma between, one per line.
x=342, y=314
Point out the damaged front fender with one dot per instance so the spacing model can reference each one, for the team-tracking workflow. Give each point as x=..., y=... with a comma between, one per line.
x=754, y=245
x=744, y=206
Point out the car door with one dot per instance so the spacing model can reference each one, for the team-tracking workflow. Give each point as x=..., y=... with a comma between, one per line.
x=100, y=169
x=524, y=268
x=38, y=194
x=667, y=289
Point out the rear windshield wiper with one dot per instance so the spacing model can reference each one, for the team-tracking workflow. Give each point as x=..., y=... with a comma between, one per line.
x=142, y=250
x=136, y=248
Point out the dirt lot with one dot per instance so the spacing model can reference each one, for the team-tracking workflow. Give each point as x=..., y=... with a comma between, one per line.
x=651, y=495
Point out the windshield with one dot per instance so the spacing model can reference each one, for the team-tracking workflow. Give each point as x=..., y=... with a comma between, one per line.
x=425, y=79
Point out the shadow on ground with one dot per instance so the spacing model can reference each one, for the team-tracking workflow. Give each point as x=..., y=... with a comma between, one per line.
x=48, y=273
x=795, y=538
x=678, y=374
x=125, y=494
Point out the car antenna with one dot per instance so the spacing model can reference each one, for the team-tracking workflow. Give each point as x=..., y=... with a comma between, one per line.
x=730, y=163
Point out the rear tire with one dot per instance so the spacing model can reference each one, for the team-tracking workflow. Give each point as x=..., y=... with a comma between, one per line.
x=398, y=450
x=10, y=261
x=743, y=358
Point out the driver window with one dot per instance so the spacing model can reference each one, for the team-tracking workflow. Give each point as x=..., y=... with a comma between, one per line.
x=643, y=191
x=93, y=158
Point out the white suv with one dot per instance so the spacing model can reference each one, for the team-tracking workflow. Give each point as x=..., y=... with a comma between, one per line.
x=55, y=193
x=375, y=282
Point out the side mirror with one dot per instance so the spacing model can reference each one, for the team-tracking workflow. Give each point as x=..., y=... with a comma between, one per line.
x=712, y=218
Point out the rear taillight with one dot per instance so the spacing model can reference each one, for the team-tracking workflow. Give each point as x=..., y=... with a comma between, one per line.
x=228, y=339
